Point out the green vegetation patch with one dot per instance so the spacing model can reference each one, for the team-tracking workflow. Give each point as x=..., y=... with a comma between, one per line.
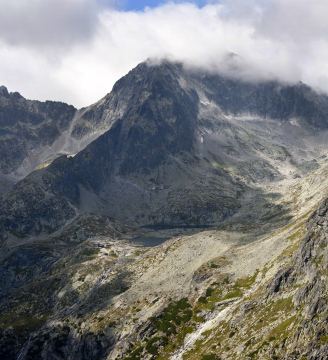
x=281, y=329
x=90, y=252
x=232, y=294
x=209, y=292
x=174, y=314
x=249, y=342
x=324, y=339
x=282, y=305
x=135, y=354
x=152, y=348
x=173, y=323
x=22, y=322
x=209, y=357
x=246, y=282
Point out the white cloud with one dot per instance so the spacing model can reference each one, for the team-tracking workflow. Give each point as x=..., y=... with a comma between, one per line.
x=76, y=55
x=47, y=23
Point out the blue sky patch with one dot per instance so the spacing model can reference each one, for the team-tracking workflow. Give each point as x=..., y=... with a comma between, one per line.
x=139, y=5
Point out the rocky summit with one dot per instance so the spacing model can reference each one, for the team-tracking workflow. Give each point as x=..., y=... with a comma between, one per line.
x=227, y=178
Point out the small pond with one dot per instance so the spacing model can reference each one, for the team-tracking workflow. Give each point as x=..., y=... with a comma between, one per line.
x=172, y=227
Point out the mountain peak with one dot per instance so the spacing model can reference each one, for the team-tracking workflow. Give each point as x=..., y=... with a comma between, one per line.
x=4, y=91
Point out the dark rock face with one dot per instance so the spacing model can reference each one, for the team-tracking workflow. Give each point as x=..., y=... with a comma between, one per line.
x=160, y=116
x=40, y=203
x=160, y=122
x=268, y=100
x=24, y=264
x=28, y=125
x=152, y=100
x=309, y=268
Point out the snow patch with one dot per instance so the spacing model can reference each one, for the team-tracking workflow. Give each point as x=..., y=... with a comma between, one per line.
x=294, y=122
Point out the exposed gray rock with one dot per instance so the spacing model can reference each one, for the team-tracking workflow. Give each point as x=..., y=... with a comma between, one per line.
x=28, y=126
x=183, y=148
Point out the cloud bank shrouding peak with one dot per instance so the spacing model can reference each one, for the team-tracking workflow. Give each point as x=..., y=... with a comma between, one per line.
x=74, y=50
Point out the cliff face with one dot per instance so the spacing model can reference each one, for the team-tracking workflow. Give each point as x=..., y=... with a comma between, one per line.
x=28, y=126
x=270, y=99
x=307, y=273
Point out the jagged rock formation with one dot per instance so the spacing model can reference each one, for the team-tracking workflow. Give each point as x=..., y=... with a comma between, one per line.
x=27, y=128
x=28, y=125
x=34, y=133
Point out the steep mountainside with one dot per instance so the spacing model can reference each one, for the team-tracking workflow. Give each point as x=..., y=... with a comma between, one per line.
x=34, y=133
x=26, y=128
x=26, y=125
x=184, y=147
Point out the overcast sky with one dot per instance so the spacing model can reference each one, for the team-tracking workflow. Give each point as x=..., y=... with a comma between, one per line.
x=74, y=50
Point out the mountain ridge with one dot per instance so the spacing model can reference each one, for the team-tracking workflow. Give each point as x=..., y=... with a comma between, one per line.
x=163, y=126
x=182, y=148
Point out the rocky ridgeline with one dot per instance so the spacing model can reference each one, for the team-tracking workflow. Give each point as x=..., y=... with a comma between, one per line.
x=34, y=133
x=28, y=125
